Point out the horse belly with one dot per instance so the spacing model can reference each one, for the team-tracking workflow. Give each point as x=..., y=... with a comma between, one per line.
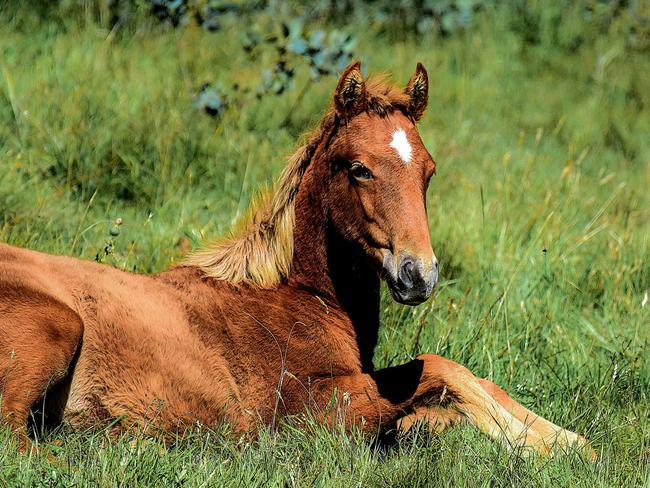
x=142, y=363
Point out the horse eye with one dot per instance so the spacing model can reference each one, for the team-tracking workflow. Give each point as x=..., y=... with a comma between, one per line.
x=359, y=171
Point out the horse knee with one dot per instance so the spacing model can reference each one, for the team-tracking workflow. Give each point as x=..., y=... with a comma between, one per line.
x=444, y=367
x=435, y=362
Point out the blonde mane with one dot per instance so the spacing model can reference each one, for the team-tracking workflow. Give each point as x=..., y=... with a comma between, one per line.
x=260, y=249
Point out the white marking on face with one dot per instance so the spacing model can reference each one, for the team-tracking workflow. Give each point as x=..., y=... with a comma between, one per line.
x=401, y=144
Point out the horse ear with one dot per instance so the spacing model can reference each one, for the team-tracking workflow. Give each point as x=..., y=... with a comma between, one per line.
x=418, y=91
x=349, y=91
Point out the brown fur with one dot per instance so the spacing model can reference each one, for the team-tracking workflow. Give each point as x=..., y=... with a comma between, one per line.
x=279, y=318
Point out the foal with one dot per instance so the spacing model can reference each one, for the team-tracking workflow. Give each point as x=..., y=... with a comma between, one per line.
x=280, y=317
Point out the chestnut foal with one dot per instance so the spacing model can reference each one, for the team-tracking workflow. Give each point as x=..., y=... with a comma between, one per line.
x=280, y=317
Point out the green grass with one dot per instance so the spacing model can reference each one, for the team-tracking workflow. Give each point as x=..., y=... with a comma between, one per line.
x=540, y=216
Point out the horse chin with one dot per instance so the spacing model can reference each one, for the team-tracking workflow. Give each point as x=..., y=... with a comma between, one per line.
x=406, y=298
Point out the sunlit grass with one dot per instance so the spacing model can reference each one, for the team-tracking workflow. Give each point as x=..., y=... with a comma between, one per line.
x=539, y=216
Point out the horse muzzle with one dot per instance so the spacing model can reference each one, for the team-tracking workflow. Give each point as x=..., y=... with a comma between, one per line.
x=411, y=280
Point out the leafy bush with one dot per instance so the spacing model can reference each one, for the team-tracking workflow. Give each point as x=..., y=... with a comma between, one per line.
x=441, y=16
x=326, y=53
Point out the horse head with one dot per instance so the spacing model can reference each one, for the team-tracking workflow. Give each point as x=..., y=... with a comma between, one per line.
x=379, y=174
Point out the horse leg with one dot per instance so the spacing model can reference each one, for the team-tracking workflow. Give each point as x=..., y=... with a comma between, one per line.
x=428, y=388
x=488, y=407
x=550, y=433
x=38, y=339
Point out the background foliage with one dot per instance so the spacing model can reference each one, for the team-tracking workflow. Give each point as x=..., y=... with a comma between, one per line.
x=169, y=114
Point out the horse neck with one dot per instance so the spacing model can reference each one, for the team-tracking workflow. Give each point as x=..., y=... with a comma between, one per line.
x=335, y=269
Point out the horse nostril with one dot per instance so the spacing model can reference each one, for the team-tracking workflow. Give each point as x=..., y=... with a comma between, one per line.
x=407, y=272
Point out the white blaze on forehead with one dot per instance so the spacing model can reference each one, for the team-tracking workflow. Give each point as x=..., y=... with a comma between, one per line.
x=401, y=144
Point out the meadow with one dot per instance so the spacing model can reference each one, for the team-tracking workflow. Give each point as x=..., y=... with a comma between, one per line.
x=539, y=215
